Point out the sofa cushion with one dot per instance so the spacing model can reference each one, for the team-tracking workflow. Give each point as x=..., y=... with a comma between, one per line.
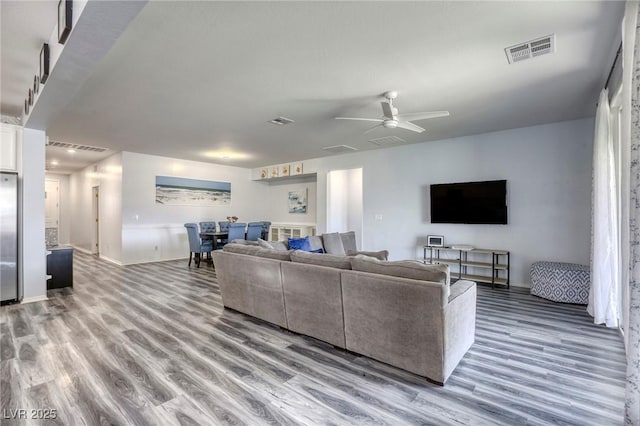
x=244, y=242
x=333, y=244
x=241, y=248
x=276, y=245
x=265, y=244
x=316, y=242
x=274, y=254
x=380, y=255
x=332, y=261
x=365, y=257
x=299, y=244
x=349, y=241
x=405, y=269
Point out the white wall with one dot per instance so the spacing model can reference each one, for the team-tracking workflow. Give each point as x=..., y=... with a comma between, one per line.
x=548, y=169
x=107, y=175
x=277, y=201
x=32, y=263
x=344, y=202
x=64, y=203
x=154, y=232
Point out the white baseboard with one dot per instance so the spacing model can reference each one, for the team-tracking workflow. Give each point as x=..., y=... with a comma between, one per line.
x=81, y=250
x=110, y=260
x=34, y=299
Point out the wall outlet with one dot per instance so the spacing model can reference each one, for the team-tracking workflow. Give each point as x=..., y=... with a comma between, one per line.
x=378, y=217
x=156, y=248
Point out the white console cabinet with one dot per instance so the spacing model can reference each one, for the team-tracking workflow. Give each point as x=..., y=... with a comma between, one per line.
x=282, y=231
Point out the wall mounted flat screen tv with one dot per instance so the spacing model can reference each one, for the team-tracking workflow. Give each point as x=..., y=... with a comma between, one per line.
x=470, y=202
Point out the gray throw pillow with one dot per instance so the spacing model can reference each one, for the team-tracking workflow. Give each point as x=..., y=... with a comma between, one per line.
x=349, y=241
x=333, y=244
x=280, y=245
x=316, y=242
x=380, y=255
x=332, y=261
x=265, y=244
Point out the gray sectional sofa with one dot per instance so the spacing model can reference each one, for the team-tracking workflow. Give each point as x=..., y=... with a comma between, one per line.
x=402, y=313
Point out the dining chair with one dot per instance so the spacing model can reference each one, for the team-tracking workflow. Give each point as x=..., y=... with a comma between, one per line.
x=208, y=226
x=254, y=231
x=237, y=231
x=265, y=230
x=196, y=245
x=224, y=227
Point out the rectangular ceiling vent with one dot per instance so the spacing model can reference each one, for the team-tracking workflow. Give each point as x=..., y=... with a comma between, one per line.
x=388, y=141
x=531, y=49
x=339, y=149
x=75, y=146
x=281, y=121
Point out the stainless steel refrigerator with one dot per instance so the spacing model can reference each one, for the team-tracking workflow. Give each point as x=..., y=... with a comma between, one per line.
x=8, y=237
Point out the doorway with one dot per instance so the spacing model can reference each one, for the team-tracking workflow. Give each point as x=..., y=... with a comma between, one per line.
x=344, y=202
x=51, y=211
x=95, y=240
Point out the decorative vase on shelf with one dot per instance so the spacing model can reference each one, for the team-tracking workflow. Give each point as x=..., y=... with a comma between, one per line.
x=232, y=219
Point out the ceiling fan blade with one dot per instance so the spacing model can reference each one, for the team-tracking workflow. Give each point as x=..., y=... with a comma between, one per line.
x=372, y=129
x=387, y=109
x=423, y=115
x=378, y=120
x=410, y=126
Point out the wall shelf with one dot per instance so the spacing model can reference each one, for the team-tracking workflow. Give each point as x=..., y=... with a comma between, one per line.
x=498, y=272
x=304, y=176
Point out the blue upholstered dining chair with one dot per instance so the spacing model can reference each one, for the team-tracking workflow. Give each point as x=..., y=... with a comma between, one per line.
x=265, y=230
x=236, y=231
x=208, y=226
x=196, y=245
x=224, y=227
x=254, y=231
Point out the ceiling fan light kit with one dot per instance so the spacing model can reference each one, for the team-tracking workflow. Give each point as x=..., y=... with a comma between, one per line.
x=391, y=120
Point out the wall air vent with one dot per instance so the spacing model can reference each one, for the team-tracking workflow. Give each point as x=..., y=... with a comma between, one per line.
x=281, y=121
x=388, y=141
x=75, y=146
x=339, y=149
x=531, y=49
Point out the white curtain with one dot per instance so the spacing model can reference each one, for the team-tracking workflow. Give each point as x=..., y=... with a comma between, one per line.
x=630, y=129
x=604, y=295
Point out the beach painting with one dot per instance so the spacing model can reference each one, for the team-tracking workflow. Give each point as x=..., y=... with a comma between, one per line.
x=298, y=201
x=192, y=192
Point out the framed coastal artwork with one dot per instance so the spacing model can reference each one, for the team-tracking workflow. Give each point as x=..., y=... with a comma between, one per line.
x=192, y=192
x=298, y=201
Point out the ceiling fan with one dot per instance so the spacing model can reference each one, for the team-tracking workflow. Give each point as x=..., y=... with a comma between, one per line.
x=391, y=119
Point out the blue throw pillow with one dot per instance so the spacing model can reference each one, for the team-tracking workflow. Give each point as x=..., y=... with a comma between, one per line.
x=299, y=244
x=320, y=250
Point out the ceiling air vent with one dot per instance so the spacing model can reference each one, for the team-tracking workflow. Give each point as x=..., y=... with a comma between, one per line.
x=531, y=49
x=281, y=121
x=75, y=146
x=388, y=141
x=339, y=149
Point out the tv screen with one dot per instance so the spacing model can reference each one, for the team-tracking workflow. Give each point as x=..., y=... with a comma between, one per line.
x=470, y=202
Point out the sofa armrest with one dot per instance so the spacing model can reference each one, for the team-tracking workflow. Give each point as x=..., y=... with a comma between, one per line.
x=459, y=324
x=460, y=287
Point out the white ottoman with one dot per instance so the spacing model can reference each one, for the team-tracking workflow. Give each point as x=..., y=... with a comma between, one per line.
x=561, y=282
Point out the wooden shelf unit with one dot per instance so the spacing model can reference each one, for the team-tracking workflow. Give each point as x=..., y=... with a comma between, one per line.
x=499, y=265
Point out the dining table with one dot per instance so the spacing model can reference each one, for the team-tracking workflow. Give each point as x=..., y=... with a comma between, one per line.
x=214, y=236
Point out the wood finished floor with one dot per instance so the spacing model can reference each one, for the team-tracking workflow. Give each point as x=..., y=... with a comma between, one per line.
x=152, y=345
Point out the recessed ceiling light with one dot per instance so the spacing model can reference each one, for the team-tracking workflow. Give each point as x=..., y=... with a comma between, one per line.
x=71, y=151
x=54, y=162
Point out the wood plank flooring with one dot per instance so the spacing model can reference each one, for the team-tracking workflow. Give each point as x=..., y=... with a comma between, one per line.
x=152, y=345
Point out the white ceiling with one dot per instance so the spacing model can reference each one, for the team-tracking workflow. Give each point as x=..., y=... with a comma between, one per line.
x=197, y=80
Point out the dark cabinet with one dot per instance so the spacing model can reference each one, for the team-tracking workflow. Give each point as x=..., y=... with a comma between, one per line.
x=60, y=267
